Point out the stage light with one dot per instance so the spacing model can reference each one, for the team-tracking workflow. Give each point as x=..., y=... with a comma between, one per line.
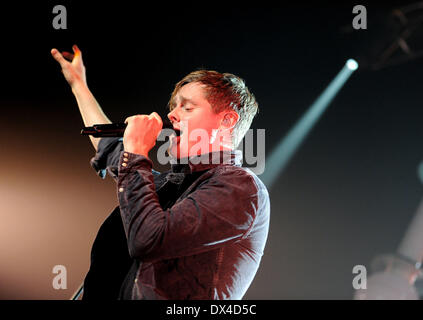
x=420, y=172
x=352, y=64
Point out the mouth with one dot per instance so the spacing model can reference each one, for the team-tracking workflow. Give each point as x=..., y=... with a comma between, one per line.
x=175, y=137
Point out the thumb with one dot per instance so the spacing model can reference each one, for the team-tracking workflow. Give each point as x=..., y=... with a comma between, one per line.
x=76, y=50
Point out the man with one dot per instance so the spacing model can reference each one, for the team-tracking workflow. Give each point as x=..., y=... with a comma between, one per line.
x=197, y=231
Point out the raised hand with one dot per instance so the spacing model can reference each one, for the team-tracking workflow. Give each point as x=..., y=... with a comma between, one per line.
x=72, y=65
x=74, y=71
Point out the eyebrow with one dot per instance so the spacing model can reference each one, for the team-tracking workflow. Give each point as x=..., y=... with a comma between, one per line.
x=185, y=100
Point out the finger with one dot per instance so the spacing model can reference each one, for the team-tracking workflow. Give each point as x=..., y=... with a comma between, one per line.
x=58, y=57
x=76, y=50
x=129, y=119
x=68, y=55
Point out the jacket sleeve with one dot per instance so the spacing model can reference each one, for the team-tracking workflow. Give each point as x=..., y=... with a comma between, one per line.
x=219, y=212
x=107, y=156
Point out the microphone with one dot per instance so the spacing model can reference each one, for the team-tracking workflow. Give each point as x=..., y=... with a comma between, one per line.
x=116, y=129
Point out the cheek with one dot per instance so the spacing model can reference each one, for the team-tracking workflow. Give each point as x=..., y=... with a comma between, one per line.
x=204, y=121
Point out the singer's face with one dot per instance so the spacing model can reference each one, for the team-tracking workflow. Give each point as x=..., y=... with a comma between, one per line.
x=193, y=115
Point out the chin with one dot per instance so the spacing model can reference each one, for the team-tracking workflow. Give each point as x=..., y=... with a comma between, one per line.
x=175, y=152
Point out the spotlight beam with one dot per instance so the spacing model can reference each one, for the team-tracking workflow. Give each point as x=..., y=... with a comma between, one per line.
x=280, y=156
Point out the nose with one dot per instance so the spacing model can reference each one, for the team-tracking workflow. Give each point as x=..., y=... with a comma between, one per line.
x=173, y=116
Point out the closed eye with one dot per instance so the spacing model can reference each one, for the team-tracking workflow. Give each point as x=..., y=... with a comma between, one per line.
x=187, y=108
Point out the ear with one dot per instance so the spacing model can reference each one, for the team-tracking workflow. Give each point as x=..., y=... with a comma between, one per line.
x=229, y=119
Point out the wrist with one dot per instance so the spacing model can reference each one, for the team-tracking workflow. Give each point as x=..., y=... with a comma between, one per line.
x=141, y=152
x=78, y=86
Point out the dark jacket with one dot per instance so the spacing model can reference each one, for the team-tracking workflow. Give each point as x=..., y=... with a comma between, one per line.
x=197, y=231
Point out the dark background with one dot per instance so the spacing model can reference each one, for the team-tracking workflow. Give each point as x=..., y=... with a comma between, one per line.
x=347, y=195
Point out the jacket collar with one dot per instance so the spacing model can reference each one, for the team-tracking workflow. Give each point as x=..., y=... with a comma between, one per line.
x=206, y=161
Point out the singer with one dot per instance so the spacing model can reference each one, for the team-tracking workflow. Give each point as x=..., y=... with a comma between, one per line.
x=197, y=231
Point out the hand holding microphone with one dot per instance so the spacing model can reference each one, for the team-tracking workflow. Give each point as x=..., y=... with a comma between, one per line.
x=141, y=133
